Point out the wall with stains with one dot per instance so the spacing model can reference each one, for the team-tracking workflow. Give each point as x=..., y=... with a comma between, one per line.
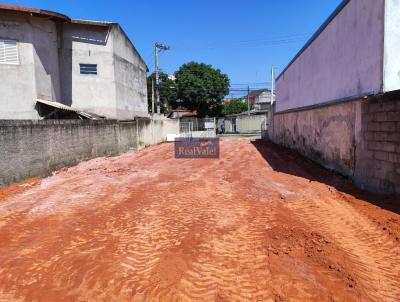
x=359, y=139
x=378, y=153
x=37, y=148
x=326, y=135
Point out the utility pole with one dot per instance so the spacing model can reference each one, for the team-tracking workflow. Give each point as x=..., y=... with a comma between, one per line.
x=158, y=47
x=152, y=95
x=248, y=100
x=272, y=84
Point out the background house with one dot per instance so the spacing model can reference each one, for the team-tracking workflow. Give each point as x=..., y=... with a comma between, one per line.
x=261, y=99
x=87, y=66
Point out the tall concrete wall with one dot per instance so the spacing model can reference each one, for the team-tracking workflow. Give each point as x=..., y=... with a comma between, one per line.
x=392, y=46
x=90, y=45
x=344, y=60
x=359, y=139
x=18, y=84
x=45, y=53
x=130, y=78
x=36, y=148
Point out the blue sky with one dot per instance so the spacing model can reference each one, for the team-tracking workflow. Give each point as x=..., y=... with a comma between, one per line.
x=242, y=38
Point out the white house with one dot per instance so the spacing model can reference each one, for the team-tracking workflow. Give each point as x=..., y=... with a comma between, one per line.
x=49, y=62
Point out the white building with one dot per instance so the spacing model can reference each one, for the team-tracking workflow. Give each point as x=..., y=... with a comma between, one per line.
x=49, y=62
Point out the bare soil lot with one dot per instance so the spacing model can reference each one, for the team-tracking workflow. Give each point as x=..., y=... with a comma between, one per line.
x=259, y=224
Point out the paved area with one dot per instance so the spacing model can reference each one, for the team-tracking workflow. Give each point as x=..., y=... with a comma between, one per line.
x=259, y=224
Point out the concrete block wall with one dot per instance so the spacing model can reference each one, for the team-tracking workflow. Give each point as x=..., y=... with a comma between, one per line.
x=37, y=148
x=359, y=139
x=378, y=166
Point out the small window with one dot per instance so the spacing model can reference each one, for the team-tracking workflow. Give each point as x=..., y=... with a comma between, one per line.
x=9, y=52
x=88, y=68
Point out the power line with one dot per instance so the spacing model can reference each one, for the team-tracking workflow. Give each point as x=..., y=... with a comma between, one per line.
x=256, y=42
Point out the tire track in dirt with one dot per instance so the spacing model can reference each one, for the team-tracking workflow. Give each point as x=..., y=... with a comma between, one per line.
x=231, y=263
x=376, y=256
x=146, y=227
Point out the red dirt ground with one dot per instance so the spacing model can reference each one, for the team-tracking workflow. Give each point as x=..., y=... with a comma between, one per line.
x=260, y=224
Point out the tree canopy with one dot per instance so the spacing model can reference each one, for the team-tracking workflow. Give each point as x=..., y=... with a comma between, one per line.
x=200, y=87
x=234, y=107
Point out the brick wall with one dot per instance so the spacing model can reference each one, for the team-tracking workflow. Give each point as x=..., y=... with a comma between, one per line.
x=359, y=139
x=378, y=167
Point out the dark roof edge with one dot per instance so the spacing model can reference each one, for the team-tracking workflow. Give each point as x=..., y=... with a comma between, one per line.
x=92, y=22
x=34, y=11
x=316, y=34
x=64, y=18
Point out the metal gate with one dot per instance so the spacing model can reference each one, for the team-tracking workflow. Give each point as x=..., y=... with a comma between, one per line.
x=244, y=124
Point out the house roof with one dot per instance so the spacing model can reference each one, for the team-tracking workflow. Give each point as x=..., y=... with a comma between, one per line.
x=63, y=18
x=259, y=91
x=60, y=106
x=341, y=6
x=92, y=22
x=36, y=12
x=109, y=24
x=187, y=113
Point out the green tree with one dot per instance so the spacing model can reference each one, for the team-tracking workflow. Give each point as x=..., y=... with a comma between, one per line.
x=168, y=93
x=234, y=107
x=200, y=87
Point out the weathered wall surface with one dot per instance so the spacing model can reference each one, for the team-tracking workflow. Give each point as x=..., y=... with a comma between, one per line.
x=36, y=148
x=155, y=131
x=45, y=53
x=378, y=159
x=359, y=139
x=130, y=78
x=326, y=135
x=345, y=60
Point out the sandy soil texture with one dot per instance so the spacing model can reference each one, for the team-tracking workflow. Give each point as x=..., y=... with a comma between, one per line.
x=259, y=224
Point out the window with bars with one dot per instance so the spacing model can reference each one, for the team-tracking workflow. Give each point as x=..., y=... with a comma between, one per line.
x=88, y=69
x=9, y=52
